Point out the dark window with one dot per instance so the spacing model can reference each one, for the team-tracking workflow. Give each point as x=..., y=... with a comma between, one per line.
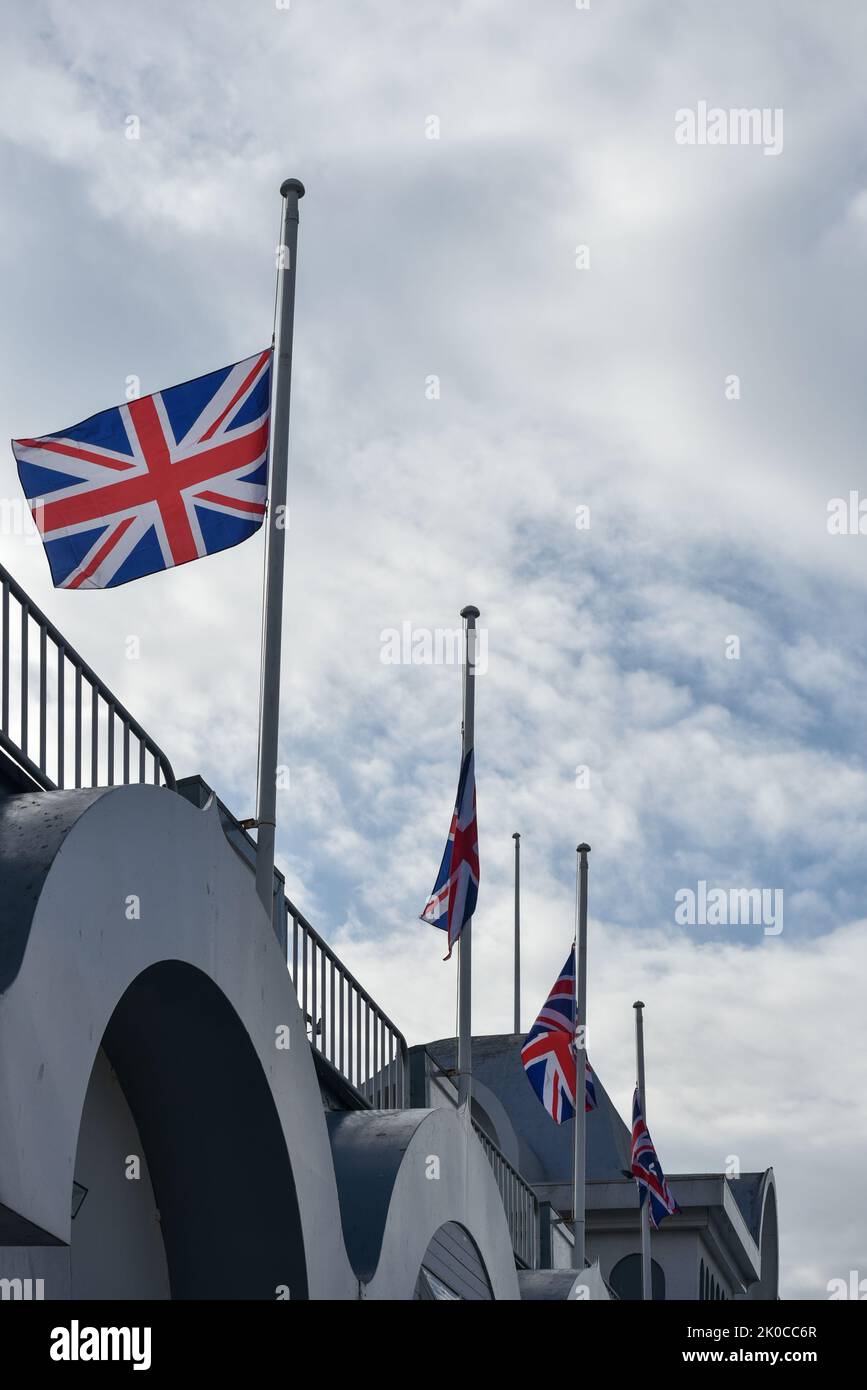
x=625, y=1279
x=452, y=1268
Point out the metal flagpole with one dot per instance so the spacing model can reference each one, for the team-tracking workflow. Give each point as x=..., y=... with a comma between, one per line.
x=646, y=1275
x=465, y=982
x=517, y=838
x=580, y=1155
x=275, y=543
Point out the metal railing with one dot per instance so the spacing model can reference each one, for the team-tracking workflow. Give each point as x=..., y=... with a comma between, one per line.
x=65, y=728
x=519, y=1200
x=58, y=721
x=346, y=1025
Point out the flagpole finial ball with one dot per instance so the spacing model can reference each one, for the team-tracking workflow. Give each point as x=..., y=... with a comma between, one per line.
x=583, y=849
x=292, y=186
x=516, y=835
x=471, y=611
x=639, y=1004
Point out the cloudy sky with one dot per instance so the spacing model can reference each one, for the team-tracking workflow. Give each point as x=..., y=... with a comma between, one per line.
x=693, y=376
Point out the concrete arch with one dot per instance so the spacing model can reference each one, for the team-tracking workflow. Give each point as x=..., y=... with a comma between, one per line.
x=401, y=1176
x=211, y=1134
x=126, y=905
x=768, y=1286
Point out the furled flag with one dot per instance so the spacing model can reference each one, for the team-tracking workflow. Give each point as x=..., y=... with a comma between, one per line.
x=155, y=482
x=453, y=900
x=647, y=1169
x=549, y=1054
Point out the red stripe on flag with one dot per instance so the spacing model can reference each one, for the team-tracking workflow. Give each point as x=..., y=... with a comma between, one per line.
x=257, y=507
x=71, y=451
x=97, y=559
x=164, y=479
x=248, y=380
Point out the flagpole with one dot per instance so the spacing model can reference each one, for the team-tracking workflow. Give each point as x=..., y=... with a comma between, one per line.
x=465, y=981
x=517, y=838
x=580, y=1153
x=275, y=544
x=646, y=1274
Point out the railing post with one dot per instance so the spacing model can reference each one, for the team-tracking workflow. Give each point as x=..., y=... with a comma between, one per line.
x=43, y=699
x=341, y=988
x=546, y=1252
x=332, y=1051
x=323, y=1036
x=304, y=968
x=77, y=756
x=94, y=736
x=61, y=720
x=4, y=662
x=25, y=676
x=110, y=709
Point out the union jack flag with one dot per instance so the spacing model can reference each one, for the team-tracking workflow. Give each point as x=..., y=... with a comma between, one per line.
x=647, y=1169
x=453, y=900
x=155, y=482
x=549, y=1051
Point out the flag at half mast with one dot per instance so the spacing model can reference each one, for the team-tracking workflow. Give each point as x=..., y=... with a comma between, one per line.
x=647, y=1170
x=155, y=482
x=453, y=900
x=549, y=1054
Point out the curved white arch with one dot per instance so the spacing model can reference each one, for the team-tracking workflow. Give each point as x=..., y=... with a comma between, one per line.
x=411, y=1173
x=142, y=877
